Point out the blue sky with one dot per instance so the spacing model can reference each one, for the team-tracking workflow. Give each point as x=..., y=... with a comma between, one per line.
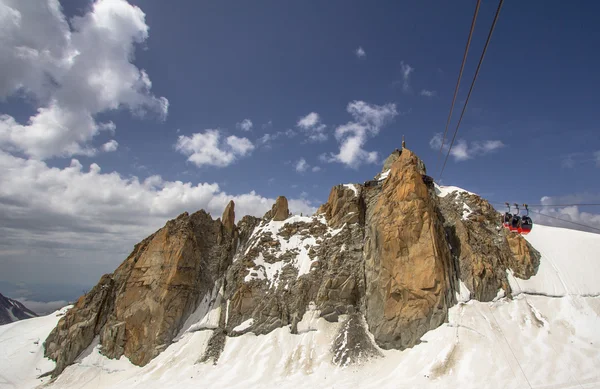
x=139, y=88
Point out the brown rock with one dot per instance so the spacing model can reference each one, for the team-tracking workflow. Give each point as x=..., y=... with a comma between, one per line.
x=344, y=205
x=228, y=218
x=280, y=210
x=76, y=330
x=525, y=259
x=482, y=249
x=407, y=262
x=139, y=309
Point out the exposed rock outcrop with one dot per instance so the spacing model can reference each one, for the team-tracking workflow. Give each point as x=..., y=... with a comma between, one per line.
x=392, y=253
x=280, y=210
x=407, y=261
x=139, y=309
x=76, y=330
x=525, y=260
x=344, y=205
x=228, y=218
x=481, y=248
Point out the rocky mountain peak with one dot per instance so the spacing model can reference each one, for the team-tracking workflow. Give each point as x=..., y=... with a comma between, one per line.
x=392, y=255
x=228, y=218
x=12, y=310
x=279, y=211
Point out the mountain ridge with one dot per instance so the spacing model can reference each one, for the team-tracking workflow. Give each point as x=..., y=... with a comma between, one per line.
x=13, y=310
x=390, y=253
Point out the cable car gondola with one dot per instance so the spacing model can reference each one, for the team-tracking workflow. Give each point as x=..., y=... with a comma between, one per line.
x=526, y=223
x=516, y=223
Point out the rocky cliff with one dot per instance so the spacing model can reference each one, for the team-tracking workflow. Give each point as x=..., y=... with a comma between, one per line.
x=389, y=257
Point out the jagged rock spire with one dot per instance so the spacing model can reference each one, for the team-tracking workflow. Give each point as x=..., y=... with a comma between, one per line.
x=228, y=218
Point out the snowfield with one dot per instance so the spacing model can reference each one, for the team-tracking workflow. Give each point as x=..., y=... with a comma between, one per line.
x=548, y=336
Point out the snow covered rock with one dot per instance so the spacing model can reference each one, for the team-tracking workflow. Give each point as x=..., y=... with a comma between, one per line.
x=140, y=308
x=392, y=253
x=482, y=250
x=12, y=310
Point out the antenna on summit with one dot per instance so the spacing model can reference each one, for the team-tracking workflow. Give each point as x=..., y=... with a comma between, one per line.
x=403, y=142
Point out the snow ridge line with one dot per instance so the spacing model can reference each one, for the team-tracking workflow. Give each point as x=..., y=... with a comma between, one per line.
x=543, y=294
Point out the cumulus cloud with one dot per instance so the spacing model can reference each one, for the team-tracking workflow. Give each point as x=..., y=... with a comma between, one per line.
x=84, y=218
x=367, y=122
x=428, y=93
x=313, y=128
x=360, y=52
x=316, y=169
x=462, y=150
x=208, y=149
x=245, y=125
x=301, y=165
x=561, y=216
x=110, y=146
x=406, y=72
x=73, y=70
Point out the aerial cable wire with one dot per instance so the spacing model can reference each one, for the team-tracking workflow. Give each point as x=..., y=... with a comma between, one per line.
x=557, y=205
x=487, y=42
x=460, y=73
x=567, y=221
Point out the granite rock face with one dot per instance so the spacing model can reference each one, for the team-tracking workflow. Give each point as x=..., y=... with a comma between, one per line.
x=407, y=261
x=139, y=309
x=387, y=257
x=482, y=250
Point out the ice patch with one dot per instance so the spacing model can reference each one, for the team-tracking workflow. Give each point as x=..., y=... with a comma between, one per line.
x=384, y=175
x=353, y=187
x=443, y=191
x=467, y=211
x=501, y=294
x=244, y=326
x=463, y=295
x=309, y=320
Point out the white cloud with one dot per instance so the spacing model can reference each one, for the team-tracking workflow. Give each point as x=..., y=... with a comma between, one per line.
x=597, y=158
x=73, y=71
x=301, y=165
x=316, y=169
x=462, y=150
x=568, y=214
x=406, y=72
x=110, y=146
x=208, y=149
x=313, y=128
x=428, y=93
x=85, y=218
x=360, y=52
x=308, y=121
x=267, y=139
x=245, y=125
x=368, y=120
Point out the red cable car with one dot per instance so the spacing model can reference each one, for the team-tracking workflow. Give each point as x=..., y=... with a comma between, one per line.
x=516, y=223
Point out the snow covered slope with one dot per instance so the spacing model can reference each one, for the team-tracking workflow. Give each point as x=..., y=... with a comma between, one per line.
x=546, y=337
